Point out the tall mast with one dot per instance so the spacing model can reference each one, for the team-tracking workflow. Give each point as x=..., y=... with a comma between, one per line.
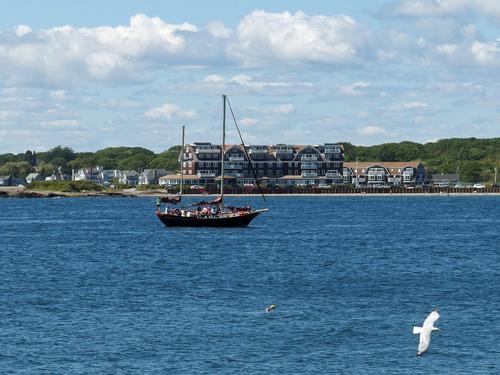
x=223, y=148
x=181, y=159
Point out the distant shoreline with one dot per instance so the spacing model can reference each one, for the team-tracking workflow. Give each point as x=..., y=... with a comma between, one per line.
x=15, y=192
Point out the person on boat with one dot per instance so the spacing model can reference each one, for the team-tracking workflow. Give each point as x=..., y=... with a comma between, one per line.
x=166, y=209
x=158, y=204
x=213, y=211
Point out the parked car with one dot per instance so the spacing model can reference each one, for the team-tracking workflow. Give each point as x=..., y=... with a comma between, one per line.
x=478, y=186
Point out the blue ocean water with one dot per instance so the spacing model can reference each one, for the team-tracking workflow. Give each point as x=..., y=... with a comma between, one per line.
x=99, y=286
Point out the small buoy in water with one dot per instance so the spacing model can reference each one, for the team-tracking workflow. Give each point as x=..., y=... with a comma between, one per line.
x=271, y=308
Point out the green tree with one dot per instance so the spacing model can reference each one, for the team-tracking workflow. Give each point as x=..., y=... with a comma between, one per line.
x=168, y=159
x=16, y=169
x=58, y=152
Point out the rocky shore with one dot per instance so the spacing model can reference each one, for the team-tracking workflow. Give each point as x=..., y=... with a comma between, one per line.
x=20, y=192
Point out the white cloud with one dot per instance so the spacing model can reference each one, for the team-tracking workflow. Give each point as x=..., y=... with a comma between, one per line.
x=441, y=8
x=9, y=115
x=297, y=38
x=60, y=124
x=414, y=105
x=281, y=109
x=68, y=55
x=249, y=82
x=447, y=49
x=218, y=30
x=248, y=121
x=58, y=94
x=213, y=78
x=486, y=53
x=170, y=111
x=284, y=109
x=121, y=104
x=371, y=130
x=22, y=30
x=354, y=89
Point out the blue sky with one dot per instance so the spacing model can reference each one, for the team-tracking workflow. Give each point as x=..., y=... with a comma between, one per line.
x=129, y=73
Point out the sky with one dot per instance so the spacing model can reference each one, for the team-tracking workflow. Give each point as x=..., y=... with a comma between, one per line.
x=97, y=74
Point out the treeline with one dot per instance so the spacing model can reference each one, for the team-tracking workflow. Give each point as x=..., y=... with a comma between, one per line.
x=474, y=159
x=65, y=159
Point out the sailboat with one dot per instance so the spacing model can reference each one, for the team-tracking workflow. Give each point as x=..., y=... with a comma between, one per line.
x=211, y=213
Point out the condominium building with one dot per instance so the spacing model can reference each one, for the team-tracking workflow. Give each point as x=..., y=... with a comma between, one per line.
x=281, y=164
x=377, y=173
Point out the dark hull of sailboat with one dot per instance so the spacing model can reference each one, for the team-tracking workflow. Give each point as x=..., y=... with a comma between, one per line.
x=227, y=221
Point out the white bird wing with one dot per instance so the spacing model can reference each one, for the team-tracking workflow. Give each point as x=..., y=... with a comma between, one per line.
x=425, y=333
x=430, y=320
x=425, y=340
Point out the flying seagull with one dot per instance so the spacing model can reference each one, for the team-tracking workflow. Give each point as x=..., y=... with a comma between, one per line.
x=425, y=332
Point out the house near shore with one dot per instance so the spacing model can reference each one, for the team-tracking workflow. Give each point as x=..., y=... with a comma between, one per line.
x=11, y=181
x=445, y=180
x=377, y=174
x=130, y=178
x=93, y=174
x=58, y=176
x=152, y=176
x=35, y=176
x=175, y=180
x=108, y=175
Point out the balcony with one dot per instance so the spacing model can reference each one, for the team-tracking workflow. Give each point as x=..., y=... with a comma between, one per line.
x=307, y=165
x=236, y=158
x=234, y=174
x=233, y=166
x=207, y=150
x=332, y=150
x=309, y=157
x=332, y=174
x=309, y=174
x=203, y=174
x=257, y=150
